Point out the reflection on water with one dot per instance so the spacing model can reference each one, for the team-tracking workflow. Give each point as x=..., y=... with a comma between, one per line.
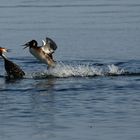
x=45, y=85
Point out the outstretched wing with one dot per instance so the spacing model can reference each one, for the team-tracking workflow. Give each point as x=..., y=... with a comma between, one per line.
x=52, y=43
x=49, y=46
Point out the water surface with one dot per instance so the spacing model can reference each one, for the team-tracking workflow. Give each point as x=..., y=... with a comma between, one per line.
x=93, y=93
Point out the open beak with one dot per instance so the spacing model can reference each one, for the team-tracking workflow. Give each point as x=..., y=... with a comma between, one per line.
x=26, y=45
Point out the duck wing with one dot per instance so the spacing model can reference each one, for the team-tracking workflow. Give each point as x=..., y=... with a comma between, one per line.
x=52, y=43
x=49, y=46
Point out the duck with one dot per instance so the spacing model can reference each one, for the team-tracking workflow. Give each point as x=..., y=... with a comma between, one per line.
x=43, y=53
x=13, y=70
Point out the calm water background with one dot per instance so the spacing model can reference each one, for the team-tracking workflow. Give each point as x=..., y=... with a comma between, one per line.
x=94, y=37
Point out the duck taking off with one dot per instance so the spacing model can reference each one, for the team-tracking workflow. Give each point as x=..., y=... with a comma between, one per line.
x=43, y=53
x=12, y=69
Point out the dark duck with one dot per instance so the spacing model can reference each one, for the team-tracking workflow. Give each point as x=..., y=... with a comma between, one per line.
x=43, y=53
x=12, y=69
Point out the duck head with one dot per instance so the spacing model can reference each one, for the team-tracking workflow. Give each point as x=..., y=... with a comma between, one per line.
x=31, y=44
x=3, y=50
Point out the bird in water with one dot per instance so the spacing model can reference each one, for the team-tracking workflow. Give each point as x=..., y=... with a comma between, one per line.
x=45, y=52
x=12, y=69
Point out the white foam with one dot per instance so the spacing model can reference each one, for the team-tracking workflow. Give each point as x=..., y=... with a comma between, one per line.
x=82, y=70
x=115, y=70
x=62, y=70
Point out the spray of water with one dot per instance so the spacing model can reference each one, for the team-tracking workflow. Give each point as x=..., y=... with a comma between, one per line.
x=81, y=70
x=114, y=70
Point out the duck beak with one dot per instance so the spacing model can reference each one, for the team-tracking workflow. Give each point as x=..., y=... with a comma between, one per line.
x=26, y=45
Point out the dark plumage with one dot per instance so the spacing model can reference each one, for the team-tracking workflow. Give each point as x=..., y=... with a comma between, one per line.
x=51, y=43
x=12, y=69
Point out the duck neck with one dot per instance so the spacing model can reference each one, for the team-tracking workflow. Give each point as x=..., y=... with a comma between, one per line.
x=4, y=56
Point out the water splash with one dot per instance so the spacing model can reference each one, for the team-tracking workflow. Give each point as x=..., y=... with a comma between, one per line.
x=78, y=70
x=115, y=70
x=63, y=70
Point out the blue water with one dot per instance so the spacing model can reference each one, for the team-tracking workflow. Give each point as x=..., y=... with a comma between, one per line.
x=94, y=91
